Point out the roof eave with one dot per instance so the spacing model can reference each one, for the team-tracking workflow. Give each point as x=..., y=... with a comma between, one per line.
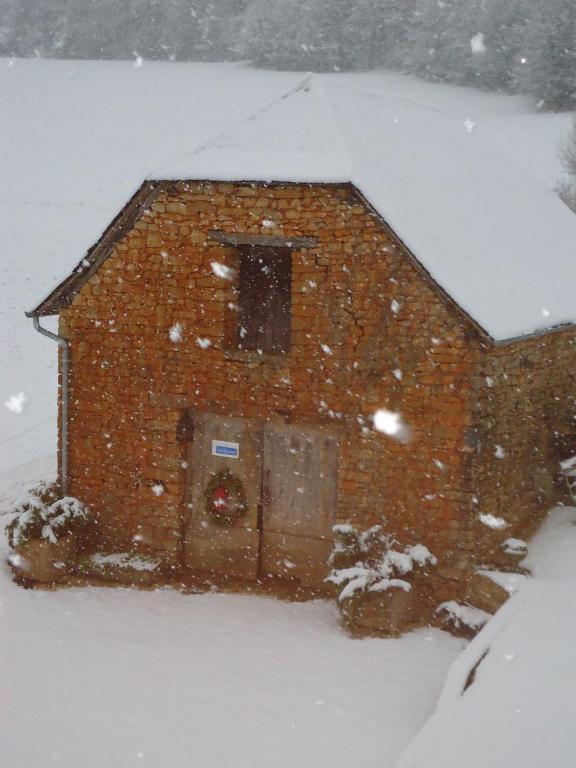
x=62, y=295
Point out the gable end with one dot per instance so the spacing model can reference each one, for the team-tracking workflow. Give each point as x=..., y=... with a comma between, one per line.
x=63, y=294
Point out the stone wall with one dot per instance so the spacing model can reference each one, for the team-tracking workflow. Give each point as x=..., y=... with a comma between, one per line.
x=369, y=331
x=524, y=420
x=393, y=340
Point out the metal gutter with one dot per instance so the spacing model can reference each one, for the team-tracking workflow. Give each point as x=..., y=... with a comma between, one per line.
x=63, y=344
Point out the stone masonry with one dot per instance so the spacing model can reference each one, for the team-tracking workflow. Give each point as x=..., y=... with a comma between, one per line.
x=370, y=330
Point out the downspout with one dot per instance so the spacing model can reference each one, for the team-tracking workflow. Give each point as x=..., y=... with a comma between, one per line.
x=63, y=344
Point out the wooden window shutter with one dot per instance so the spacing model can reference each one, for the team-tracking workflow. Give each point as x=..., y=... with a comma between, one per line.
x=265, y=291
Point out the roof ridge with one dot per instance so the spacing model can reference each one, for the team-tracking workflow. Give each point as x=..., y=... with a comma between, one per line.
x=222, y=134
x=334, y=123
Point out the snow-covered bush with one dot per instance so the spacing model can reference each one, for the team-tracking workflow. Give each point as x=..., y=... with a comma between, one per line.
x=368, y=561
x=44, y=514
x=461, y=615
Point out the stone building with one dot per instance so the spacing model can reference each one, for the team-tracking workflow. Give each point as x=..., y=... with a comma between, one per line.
x=257, y=302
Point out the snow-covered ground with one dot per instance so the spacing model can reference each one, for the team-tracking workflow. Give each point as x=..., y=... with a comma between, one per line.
x=520, y=709
x=104, y=677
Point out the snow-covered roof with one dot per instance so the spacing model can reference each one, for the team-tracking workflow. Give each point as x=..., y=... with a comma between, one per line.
x=499, y=242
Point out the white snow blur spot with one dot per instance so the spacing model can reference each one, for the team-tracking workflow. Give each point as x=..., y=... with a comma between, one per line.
x=221, y=270
x=491, y=521
x=395, y=306
x=469, y=125
x=391, y=424
x=157, y=489
x=268, y=223
x=326, y=349
x=545, y=312
x=489, y=381
x=499, y=452
x=477, y=43
x=15, y=403
x=398, y=374
x=175, y=333
x=138, y=60
x=203, y=343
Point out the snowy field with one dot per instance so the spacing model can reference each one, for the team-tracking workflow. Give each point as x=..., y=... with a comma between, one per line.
x=104, y=677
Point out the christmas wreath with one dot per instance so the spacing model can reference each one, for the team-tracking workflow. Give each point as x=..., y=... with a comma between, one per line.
x=224, y=498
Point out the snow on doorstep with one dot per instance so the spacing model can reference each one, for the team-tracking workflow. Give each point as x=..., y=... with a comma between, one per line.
x=476, y=221
x=124, y=560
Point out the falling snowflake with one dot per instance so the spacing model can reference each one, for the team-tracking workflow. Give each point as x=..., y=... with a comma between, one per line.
x=469, y=125
x=326, y=349
x=395, y=306
x=499, y=452
x=489, y=381
x=398, y=374
x=157, y=489
x=203, y=343
x=137, y=60
x=15, y=403
x=391, y=424
x=268, y=223
x=175, y=333
x=221, y=270
x=477, y=43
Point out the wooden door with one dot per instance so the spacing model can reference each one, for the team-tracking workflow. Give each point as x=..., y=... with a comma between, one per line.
x=208, y=545
x=299, y=501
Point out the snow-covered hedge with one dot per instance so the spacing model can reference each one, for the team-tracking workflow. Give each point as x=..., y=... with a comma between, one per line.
x=368, y=561
x=43, y=514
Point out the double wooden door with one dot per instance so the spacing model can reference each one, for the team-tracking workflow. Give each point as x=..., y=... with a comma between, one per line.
x=289, y=473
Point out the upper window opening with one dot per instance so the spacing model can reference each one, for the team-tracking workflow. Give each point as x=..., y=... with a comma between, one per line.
x=264, y=298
